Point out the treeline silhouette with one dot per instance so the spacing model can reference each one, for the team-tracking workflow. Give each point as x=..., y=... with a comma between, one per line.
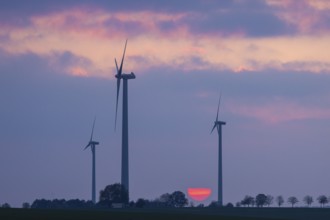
x=262, y=200
x=113, y=196
x=61, y=204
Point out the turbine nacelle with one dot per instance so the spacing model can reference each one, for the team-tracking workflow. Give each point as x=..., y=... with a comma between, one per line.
x=129, y=76
x=94, y=143
x=126, y=76
x=219, y=123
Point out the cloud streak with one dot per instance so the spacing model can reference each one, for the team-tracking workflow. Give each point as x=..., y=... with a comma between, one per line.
x=279, y=111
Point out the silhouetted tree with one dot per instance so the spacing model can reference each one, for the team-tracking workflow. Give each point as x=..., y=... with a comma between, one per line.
x=104, y=204
x=131, y=204
x=41, y=204
x=279, y=200
x=115, y=193
x=60, y=204
x=229, y=205
x=269, y=200
x=247, y=201
x=253, y=203
x=163, y=201
x=77, y=204
x=140, y=203
x=178, y=199
x=261, y=200
x=213, y=204
x=322, y=200
x=5, y=206
x=26, y=205
x=292, y=200
x=308, y=200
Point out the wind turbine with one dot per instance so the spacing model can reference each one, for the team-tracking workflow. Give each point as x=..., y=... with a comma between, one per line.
x=92, y=145
x=124, y=154
x=218, y=124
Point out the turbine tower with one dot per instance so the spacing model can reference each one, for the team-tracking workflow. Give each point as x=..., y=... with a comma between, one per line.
x=124, y=154
x=92, y=145
x=218, y=124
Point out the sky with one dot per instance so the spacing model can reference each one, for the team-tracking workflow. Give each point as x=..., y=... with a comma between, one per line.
x=269, y=59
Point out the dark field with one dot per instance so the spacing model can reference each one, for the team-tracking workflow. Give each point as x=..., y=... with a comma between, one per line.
x=175, y=214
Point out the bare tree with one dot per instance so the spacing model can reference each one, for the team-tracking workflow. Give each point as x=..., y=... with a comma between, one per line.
x=279, y=200
x=292, y=200
x=308, y=200
x=322, y=200
x=269, y=200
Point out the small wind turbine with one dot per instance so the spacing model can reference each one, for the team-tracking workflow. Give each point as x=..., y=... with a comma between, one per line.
x=92, y=145
x=218, y=124
x=124, y=154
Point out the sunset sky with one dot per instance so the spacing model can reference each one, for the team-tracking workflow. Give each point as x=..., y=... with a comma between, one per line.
x=270, y=59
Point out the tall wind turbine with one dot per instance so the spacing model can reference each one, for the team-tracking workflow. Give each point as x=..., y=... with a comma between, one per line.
x=124, y=154
x=218, y=124
x=92, y=145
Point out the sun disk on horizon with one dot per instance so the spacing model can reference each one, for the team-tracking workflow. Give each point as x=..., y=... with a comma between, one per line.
x=199, y=194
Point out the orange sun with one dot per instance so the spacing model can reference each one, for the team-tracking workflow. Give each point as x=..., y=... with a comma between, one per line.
x=199, y=194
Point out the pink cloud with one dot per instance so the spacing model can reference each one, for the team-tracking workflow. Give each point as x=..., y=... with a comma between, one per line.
x=103, y=24
x=242, y=68
x=304, y=14
x=77, y=71
x=278, y=111
x=98, y=37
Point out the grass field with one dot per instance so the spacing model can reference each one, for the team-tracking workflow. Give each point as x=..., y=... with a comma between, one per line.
x=175, y=214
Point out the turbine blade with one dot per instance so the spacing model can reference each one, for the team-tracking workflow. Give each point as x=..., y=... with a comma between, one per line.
x=116, y=65
x=93, y=129
x=122, y=60
x=218, y=108
x=215, y=125
x=89, y=144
